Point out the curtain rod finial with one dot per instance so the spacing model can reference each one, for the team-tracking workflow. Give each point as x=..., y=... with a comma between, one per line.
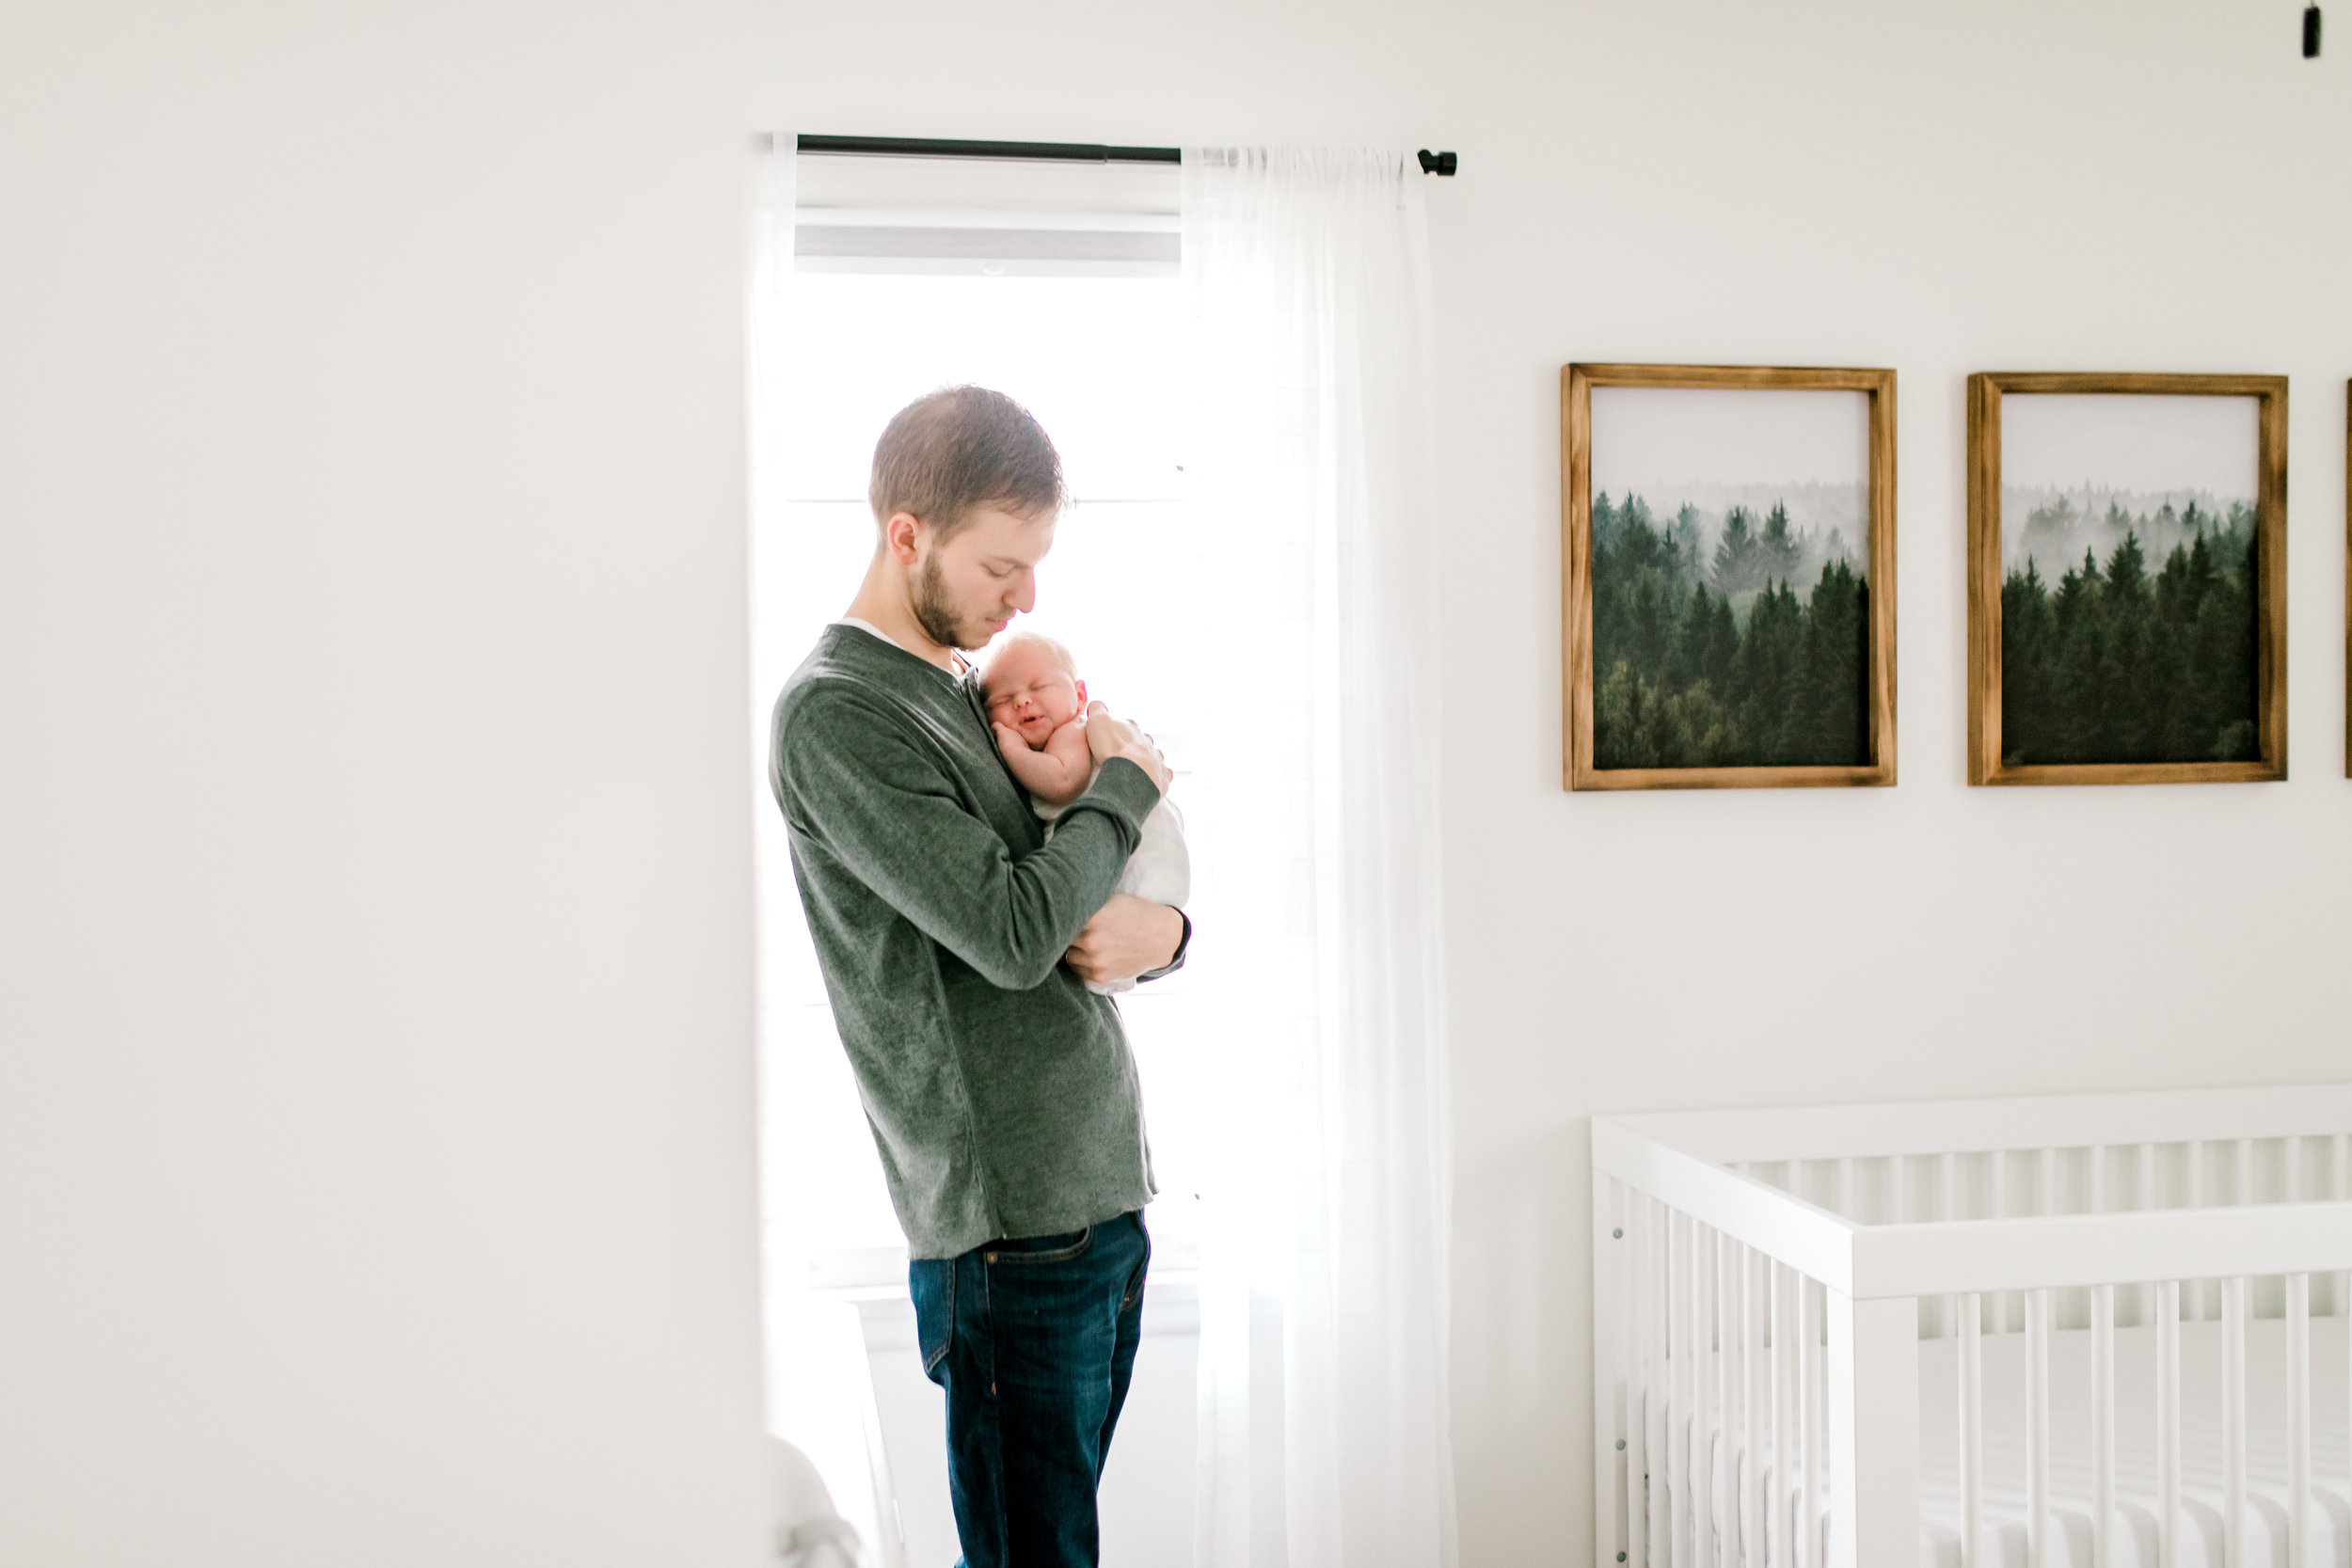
x=1438, y=163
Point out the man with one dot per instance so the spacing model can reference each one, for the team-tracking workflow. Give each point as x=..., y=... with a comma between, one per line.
x=956, y=942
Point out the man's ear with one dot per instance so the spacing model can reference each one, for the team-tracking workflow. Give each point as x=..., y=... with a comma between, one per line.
x=899, y=537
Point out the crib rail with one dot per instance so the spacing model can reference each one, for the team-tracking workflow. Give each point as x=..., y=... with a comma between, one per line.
x=1768, y=1276
x=1933, y=1128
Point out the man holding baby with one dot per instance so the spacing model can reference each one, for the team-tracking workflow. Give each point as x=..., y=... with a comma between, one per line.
x=967, y=947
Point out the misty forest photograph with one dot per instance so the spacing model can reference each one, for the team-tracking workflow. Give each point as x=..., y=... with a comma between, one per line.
x=2129, y=588
x=1730, y=587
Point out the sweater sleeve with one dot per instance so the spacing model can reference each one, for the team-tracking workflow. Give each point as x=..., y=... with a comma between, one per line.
x=853, y=783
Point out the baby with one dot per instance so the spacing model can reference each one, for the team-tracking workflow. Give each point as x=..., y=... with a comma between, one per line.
x=1037, y=705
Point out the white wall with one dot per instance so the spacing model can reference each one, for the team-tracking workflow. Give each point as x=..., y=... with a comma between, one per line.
x=374, y=1146
x=376, y=1062
x=1940, y=189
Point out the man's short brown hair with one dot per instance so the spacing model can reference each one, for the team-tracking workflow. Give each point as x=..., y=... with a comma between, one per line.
x=960, y=448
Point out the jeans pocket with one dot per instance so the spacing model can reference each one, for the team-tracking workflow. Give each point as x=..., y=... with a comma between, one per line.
x=932, y=1281
x=1132, y=1296
x=1043, y=1249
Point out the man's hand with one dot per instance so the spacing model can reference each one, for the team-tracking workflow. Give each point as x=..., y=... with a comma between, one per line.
x=1127, y=937
x=1108, y=737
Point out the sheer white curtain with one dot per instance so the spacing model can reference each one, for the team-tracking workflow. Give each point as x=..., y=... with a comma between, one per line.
x=1324, y=1424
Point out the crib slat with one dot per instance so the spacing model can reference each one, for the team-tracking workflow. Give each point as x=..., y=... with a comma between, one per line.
x=1665, y=1480
x=1637, y=1365
x=1783, y=1351
x=1999, y=1212
x=2197, y=1200
x=2038, y=1552
x=1702, y=1472
x=2103, y=1425
x=2234, y=1420
x=2242, y=1190
x=1608, y=1361
x=1972, y=1431
x=1637, y=1467
x=1897, y=1195
x=1662, y=1476
x=2298, y=1420
x=2169, y=1423
x=2046, y=1193
x=1947, y=1204
x=1728, y=1255
x=1637, y=1396
x=2098, y=1179
x=2340, y=1185
x=1694, y=1384
x=1813, y=1408
x=1753, y=1407
x=1678, y=1383
x=2144, y=1197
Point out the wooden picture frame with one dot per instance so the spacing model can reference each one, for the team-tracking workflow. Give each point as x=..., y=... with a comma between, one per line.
x=1877, y=697
x=2267, y=571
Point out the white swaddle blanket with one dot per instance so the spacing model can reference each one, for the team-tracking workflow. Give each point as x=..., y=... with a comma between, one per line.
x=1160, y=870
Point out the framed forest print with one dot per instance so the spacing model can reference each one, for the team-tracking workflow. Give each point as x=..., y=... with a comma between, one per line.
x=2126, y=578
x=1728, y=575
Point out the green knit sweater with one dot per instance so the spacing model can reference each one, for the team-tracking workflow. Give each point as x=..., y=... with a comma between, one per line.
x=1000, y=1090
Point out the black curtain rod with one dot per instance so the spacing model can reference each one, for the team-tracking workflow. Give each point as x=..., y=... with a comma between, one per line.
x=1033, y=152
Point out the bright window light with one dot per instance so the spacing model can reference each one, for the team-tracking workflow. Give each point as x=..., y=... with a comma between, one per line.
x=1097, y=360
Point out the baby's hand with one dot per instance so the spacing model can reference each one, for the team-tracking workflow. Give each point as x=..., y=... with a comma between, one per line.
x=1008, y=739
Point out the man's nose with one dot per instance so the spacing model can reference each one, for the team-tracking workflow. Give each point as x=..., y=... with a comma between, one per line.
x=1025, y=593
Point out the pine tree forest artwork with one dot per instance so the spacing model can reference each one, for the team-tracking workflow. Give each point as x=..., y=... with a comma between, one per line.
x=2127, y=583
x=1729, y=552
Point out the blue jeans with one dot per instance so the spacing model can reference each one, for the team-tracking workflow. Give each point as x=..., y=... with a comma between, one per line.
x=1034, y=1340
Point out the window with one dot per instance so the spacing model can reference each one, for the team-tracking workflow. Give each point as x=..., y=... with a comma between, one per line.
x=1092, y=343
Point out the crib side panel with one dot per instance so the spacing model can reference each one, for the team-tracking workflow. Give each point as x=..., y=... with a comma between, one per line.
x=1706, y=1332
x=1724, y=1415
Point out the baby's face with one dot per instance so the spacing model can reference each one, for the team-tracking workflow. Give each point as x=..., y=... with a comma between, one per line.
x=1029, y=691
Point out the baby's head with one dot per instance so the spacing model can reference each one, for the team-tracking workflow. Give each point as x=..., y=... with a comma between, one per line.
x=1032, y=686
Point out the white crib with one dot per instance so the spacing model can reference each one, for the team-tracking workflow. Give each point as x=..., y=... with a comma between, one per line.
x=2082, y=1330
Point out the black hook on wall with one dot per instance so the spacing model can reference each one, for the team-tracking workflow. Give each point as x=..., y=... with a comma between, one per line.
x=2311, y=32
x=1438, y=163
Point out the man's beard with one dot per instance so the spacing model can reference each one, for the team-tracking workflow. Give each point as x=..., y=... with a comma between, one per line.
x=933, y=613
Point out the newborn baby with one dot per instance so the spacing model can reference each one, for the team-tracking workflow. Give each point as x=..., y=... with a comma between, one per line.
x=1037, y=705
